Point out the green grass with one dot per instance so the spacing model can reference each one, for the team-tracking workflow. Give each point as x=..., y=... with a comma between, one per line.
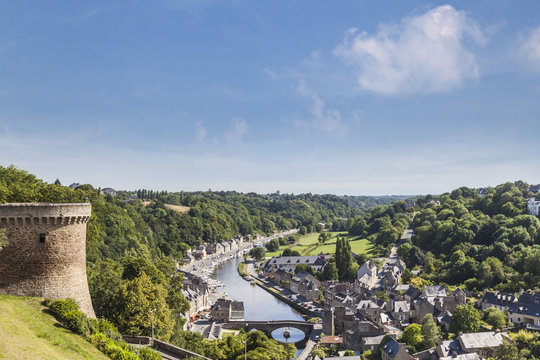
x=358, y=246
x=26, y=332
x=309, y=245
x=242, y=269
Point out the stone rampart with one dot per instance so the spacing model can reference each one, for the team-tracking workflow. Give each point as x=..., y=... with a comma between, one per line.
x=45, y=254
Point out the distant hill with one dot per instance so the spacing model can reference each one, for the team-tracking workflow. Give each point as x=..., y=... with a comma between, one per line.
x=26, y=332
x=365, y=202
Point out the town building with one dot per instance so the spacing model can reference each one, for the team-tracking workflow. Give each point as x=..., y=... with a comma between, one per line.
x=392, y=350
x=289, y=263
x=526, y=311
x=497, y=300
x=533, y=206
x=227, y=310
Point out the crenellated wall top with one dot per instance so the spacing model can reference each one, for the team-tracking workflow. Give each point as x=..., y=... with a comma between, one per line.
x=45, y=210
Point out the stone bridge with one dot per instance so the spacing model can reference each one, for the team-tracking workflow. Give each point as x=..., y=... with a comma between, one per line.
x=268, y=326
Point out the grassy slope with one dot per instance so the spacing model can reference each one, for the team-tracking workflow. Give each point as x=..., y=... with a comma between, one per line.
x=26, y=332
x=309, y=245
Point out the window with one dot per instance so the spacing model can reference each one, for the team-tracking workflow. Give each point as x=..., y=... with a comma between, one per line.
x=42, y=238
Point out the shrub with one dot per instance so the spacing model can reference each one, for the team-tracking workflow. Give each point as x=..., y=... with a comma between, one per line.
x=149, y=354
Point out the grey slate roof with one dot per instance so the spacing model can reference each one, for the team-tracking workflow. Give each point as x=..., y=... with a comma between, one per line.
x=391, y=347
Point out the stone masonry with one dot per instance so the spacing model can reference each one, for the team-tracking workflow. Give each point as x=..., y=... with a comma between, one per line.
x=45, y=255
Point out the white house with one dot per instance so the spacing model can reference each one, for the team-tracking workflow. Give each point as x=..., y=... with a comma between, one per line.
x=533, y=205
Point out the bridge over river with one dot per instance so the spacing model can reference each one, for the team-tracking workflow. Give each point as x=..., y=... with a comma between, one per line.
x=268, y=326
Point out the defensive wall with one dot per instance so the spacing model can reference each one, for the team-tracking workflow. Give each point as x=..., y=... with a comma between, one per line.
x=45, y=254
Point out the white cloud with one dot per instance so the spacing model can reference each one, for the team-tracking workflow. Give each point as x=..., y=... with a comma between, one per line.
x=201, y=131
x=530, y=49
x=423, y=54
x=323, y=119
x=236, y=132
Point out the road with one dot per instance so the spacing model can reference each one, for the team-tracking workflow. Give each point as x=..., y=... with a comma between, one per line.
x=311, y=343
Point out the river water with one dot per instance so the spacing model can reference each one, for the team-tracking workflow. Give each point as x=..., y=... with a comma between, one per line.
x=258, y=304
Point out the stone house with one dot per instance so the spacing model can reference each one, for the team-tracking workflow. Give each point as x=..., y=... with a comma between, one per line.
x=485, y=344
x=281, y=276
x=352, y=338
x=392, y=350
x=226, y=246
x=369, y=310
x=227, y=310
x=214, y=248
x=200, y=252
x=233, y=244
x=306, y=285
x=497, y=300
x=401, y=312
x=337, y=320
x=371, y=342
x=526, y=311
x=367, y=275
x=289, y=263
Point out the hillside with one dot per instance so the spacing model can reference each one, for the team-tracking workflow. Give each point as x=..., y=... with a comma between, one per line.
x=26, y=332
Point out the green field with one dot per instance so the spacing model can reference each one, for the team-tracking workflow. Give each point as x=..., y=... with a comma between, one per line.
x=309, y=245
x=358, y=246
x=26, y=332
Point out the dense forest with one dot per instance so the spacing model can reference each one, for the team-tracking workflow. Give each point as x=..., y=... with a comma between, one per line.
x=463, y=238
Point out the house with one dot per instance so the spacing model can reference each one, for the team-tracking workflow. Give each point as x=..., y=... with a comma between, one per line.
x=368, y=268
x=443, y=319
x=369, y=310
x=392, y=350
x=533, y=206
x=338, y=319
x=214, y=248
x=226, y=246
x=485, y=344
x=423, y=306
x=281, y=277
x=306, y=285
x=497, y=300
x=526, y=310
x=108, y=191
x=352, y=338
x=401, y=311
x=74, y=186
x=289, y=263
x=233, y=244
x=371, y=342
x=200, y=252
x=534, y=188
x=227, y=310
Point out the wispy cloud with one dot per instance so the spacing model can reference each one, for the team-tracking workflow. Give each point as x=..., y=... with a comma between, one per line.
x=200, y=131
x=423, y=54
x=236, y=132
x=530, y=49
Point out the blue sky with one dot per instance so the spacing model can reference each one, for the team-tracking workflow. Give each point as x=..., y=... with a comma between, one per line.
x=347, y=97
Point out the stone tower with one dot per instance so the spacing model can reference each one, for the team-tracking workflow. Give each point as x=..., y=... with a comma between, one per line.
x=45, y=254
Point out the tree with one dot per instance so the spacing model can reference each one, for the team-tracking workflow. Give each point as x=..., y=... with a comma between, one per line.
x=57, y=182
x=289, y=252
x=330, y=271
x=143, y=300
x=465, y=319
x=495, y=318
x=508, y=351
x=272, y=245
x=430, y=332
x=344, y=260
x=258, y=253
x=412, y=335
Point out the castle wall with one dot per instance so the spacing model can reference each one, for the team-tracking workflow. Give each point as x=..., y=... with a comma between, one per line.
x=45, y=255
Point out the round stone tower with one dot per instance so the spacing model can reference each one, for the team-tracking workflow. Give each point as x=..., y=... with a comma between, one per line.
x=45, y=254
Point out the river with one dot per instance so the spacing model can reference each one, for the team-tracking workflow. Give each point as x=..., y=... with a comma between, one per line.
x=258, y=304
